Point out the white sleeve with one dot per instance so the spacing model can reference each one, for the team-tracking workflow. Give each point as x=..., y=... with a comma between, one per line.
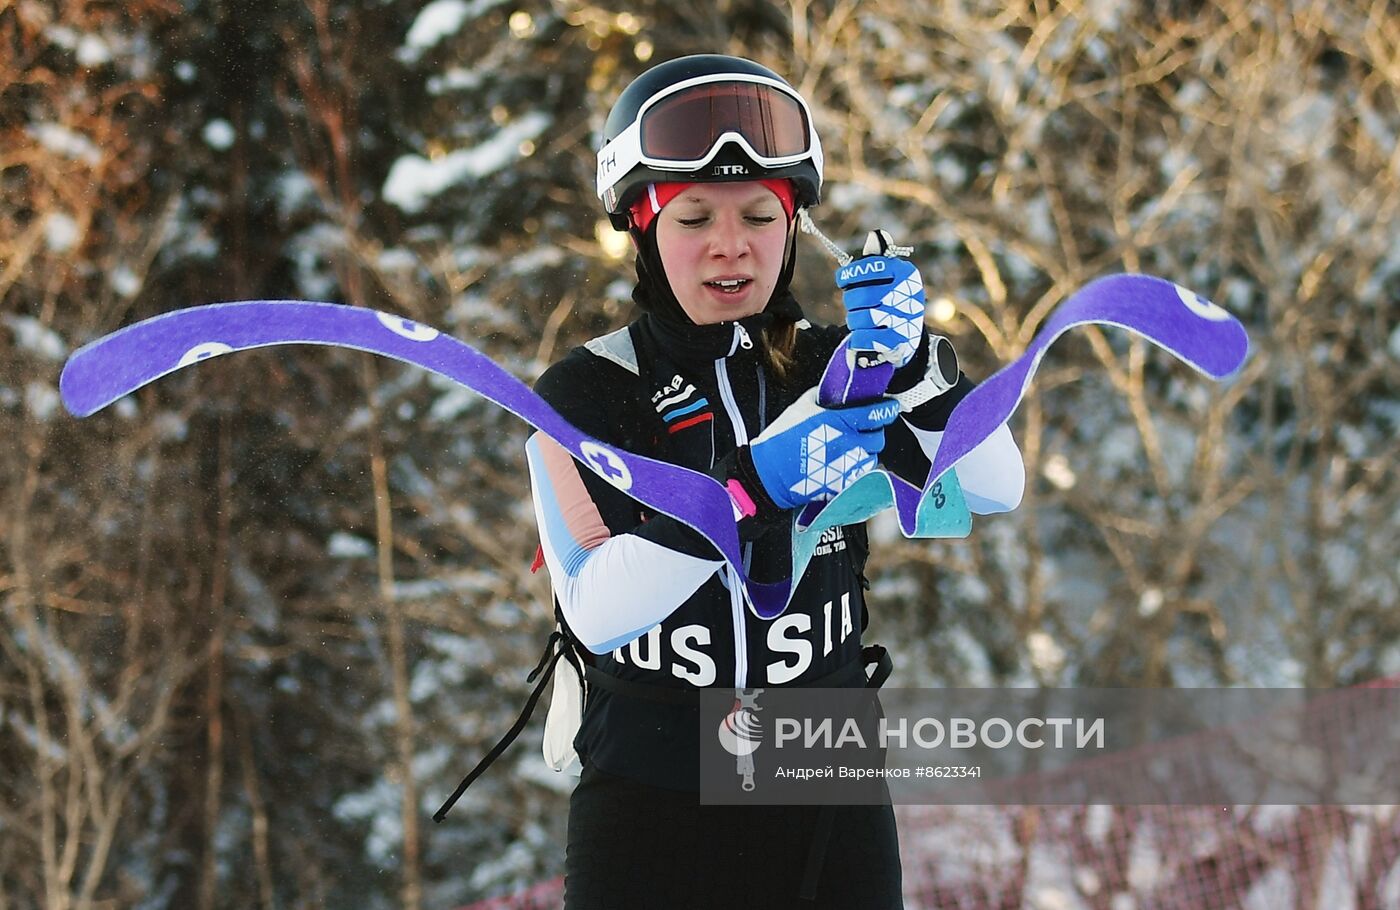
x=611, y=589
x=992, y=475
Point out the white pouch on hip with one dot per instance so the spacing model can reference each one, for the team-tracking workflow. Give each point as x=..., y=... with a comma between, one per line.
x=564, y=718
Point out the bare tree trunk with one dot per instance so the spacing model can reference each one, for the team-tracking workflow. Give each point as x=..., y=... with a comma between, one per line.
x=331, y=106
x=412, y=889
x=262, y=862
x=214, y=686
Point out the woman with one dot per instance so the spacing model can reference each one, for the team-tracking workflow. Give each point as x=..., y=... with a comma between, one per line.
x=707, y=161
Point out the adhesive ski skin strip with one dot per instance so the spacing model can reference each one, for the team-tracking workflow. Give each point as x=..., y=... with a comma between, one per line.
x=1190, y=327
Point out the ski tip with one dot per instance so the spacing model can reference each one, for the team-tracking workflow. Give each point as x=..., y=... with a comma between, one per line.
x=72, y=390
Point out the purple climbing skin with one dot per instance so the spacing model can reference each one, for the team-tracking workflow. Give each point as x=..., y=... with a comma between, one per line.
x=111, y=367
x=849, y=380
x=1193, y=329
x=116, y=365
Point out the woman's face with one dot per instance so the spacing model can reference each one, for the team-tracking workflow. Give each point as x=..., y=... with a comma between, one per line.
x=722, y=246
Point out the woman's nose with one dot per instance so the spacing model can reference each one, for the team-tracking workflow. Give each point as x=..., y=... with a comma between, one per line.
x=728, y=240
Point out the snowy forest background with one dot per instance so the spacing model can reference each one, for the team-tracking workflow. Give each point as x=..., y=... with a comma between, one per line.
x=256, y=620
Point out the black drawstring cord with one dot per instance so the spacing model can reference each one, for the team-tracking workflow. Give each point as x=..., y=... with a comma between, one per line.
x=550, y=657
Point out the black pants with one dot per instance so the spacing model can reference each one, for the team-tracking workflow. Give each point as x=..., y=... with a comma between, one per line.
x=635, y=846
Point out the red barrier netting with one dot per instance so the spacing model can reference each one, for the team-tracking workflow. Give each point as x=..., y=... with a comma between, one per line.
x=1100, y=857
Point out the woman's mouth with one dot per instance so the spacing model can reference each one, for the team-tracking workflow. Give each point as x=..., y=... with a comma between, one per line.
x=729, y=285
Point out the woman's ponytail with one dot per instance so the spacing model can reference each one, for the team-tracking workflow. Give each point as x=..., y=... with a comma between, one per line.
x=780, y=346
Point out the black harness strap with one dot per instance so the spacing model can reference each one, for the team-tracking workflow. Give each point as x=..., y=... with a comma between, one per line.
x=548, y=661
x=667, y=695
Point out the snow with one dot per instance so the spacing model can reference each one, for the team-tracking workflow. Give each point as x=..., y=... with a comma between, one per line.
x=414, y=180
x=440, y=20
x=968, y=590
x=481, y=314
x=1120, y=450
x=1098, y=823
x=33, y=336
x=455, y=79
x=954, y=845
x=1342, y=562
x=1046, y=655
x=41, y=400
x=357, y=420
x=1307, y=129
x=1087, y=881
x=545, y=256
x=516, y=862
x=976, y=670
x=456, y=584
x=447, y=672
x=63, y=36
x=620, y=290
x=311, y=252
x=951, y=172
x=295, y=192
x=849, y=196
x=1145, y=869
x=1267, y=819
x=1337, y=890
x=503, y=615
x=380, y=807
x=61, y=232
x=65, y=142
x=1057, y=470
x=1390, y=888
x=1103, y=14
x=170, y=427
x=1379, y=127
x=219, y=134
x=1049, y=882
x=186, y=236
x=37, y=741
x=533, y=769
x=397, y=260
x=348, y=546
x=93, y=51
x=462, y=650
x=452, y=404
x=435, y=22
x=124, y=281
x=1274, y=889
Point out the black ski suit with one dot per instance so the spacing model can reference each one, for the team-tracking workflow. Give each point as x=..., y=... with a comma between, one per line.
x=690, y=395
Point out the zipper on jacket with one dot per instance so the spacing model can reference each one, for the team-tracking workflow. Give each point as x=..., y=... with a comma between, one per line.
x=745, y=341
x=741, y=437
x=726, y=391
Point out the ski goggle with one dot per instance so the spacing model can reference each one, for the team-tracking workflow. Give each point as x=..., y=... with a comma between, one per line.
x=683, y=128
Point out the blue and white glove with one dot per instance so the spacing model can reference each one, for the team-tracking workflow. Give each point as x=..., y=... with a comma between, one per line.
x=884, y=300
x=812, y=453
